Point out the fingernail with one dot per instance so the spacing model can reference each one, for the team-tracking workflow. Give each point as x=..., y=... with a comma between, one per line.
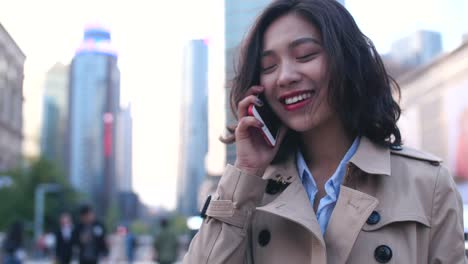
x=258, y=102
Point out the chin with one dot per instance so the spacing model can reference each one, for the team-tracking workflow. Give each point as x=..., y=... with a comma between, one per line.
x=299, y=126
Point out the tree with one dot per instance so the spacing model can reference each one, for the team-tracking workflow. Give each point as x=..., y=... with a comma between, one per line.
x=18, y=200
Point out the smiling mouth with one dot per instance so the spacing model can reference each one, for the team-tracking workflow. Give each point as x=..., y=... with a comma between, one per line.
x=296, y=100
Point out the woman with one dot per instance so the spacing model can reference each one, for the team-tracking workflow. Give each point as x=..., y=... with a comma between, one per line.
x=338, y=187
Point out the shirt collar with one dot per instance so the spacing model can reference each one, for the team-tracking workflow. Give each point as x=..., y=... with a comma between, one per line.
x=336, y=178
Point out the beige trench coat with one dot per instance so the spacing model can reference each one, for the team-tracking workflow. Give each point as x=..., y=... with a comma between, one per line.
x=395, y=206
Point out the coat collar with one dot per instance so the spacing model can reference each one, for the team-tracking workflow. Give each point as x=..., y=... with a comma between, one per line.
x=371, y=158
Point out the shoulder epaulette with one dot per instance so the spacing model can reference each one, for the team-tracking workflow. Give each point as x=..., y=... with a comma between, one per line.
x=415, y=154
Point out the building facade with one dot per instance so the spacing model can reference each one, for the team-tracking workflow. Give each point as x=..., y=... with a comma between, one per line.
x=239, y=17
x=435, y=110
x=11, y=101
x=55, y=115
x=194, y=127
x=94, y=102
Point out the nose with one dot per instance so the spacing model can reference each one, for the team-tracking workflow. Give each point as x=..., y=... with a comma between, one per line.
x=288, y=75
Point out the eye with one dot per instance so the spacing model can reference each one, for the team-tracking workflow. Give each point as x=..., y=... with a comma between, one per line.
x=268, y=69
x=306, y=57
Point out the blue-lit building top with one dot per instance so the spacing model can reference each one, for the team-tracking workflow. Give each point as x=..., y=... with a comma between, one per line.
x=94, y=105
x=194, y=128
x=97, y=39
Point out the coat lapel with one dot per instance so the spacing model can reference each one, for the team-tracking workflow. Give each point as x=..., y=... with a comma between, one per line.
x=294, y=205
x=353, y=206
x=351, y=212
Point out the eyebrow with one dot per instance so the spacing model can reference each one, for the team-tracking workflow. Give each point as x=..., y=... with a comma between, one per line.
x=294, y=44
x=300, y=41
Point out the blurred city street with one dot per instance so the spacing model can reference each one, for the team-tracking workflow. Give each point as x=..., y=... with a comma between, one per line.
x=124, y=116
x=143, y=254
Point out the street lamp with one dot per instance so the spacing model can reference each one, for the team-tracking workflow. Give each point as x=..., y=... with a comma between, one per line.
x=39, y=195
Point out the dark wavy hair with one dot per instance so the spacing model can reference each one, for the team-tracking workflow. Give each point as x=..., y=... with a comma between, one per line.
x=360, y=90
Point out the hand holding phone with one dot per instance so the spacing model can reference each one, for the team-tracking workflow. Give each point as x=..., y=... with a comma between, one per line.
x=271, y=123
x=254, y=151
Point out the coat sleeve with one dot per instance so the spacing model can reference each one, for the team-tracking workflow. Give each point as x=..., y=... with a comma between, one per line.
x=447, y=233
x=223, y=236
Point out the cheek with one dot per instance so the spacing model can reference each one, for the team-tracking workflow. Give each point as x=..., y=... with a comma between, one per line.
x=325, y=111
x=267, y=81
x=316, y=69
x=268, y=84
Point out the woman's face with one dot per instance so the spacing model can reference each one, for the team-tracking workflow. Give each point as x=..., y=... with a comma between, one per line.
x=294, y=73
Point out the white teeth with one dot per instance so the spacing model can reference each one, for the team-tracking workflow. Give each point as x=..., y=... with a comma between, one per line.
x=295, y=99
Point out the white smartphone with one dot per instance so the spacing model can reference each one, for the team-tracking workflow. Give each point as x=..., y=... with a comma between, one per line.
x=271, y=123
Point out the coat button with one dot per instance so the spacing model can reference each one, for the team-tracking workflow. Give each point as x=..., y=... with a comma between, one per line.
x=264, y=237
x=383, y=254
x=373, y=219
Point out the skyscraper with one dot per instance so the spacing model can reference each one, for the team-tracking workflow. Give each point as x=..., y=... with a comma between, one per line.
x=417, y=49
x=194, y=127
x=55, y=115
x=11, y=101
x=124, y=154
x=239, y=16
x=94, y=102
x=128, y=201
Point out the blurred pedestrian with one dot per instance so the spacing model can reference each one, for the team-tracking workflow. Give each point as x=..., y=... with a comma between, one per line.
x=13, y=244
x=117, y=252
x=63, y=239
x=90, y=237
x=130, y=245
x=165, y=244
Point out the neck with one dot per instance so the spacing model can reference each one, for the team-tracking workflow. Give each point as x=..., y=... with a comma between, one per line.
x=324, y=147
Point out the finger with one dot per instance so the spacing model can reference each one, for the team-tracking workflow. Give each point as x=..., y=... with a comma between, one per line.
x=254, y=90
x=243, y=106
x=245, y=123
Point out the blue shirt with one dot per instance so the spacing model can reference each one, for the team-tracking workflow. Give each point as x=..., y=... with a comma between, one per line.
x=332, y=186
